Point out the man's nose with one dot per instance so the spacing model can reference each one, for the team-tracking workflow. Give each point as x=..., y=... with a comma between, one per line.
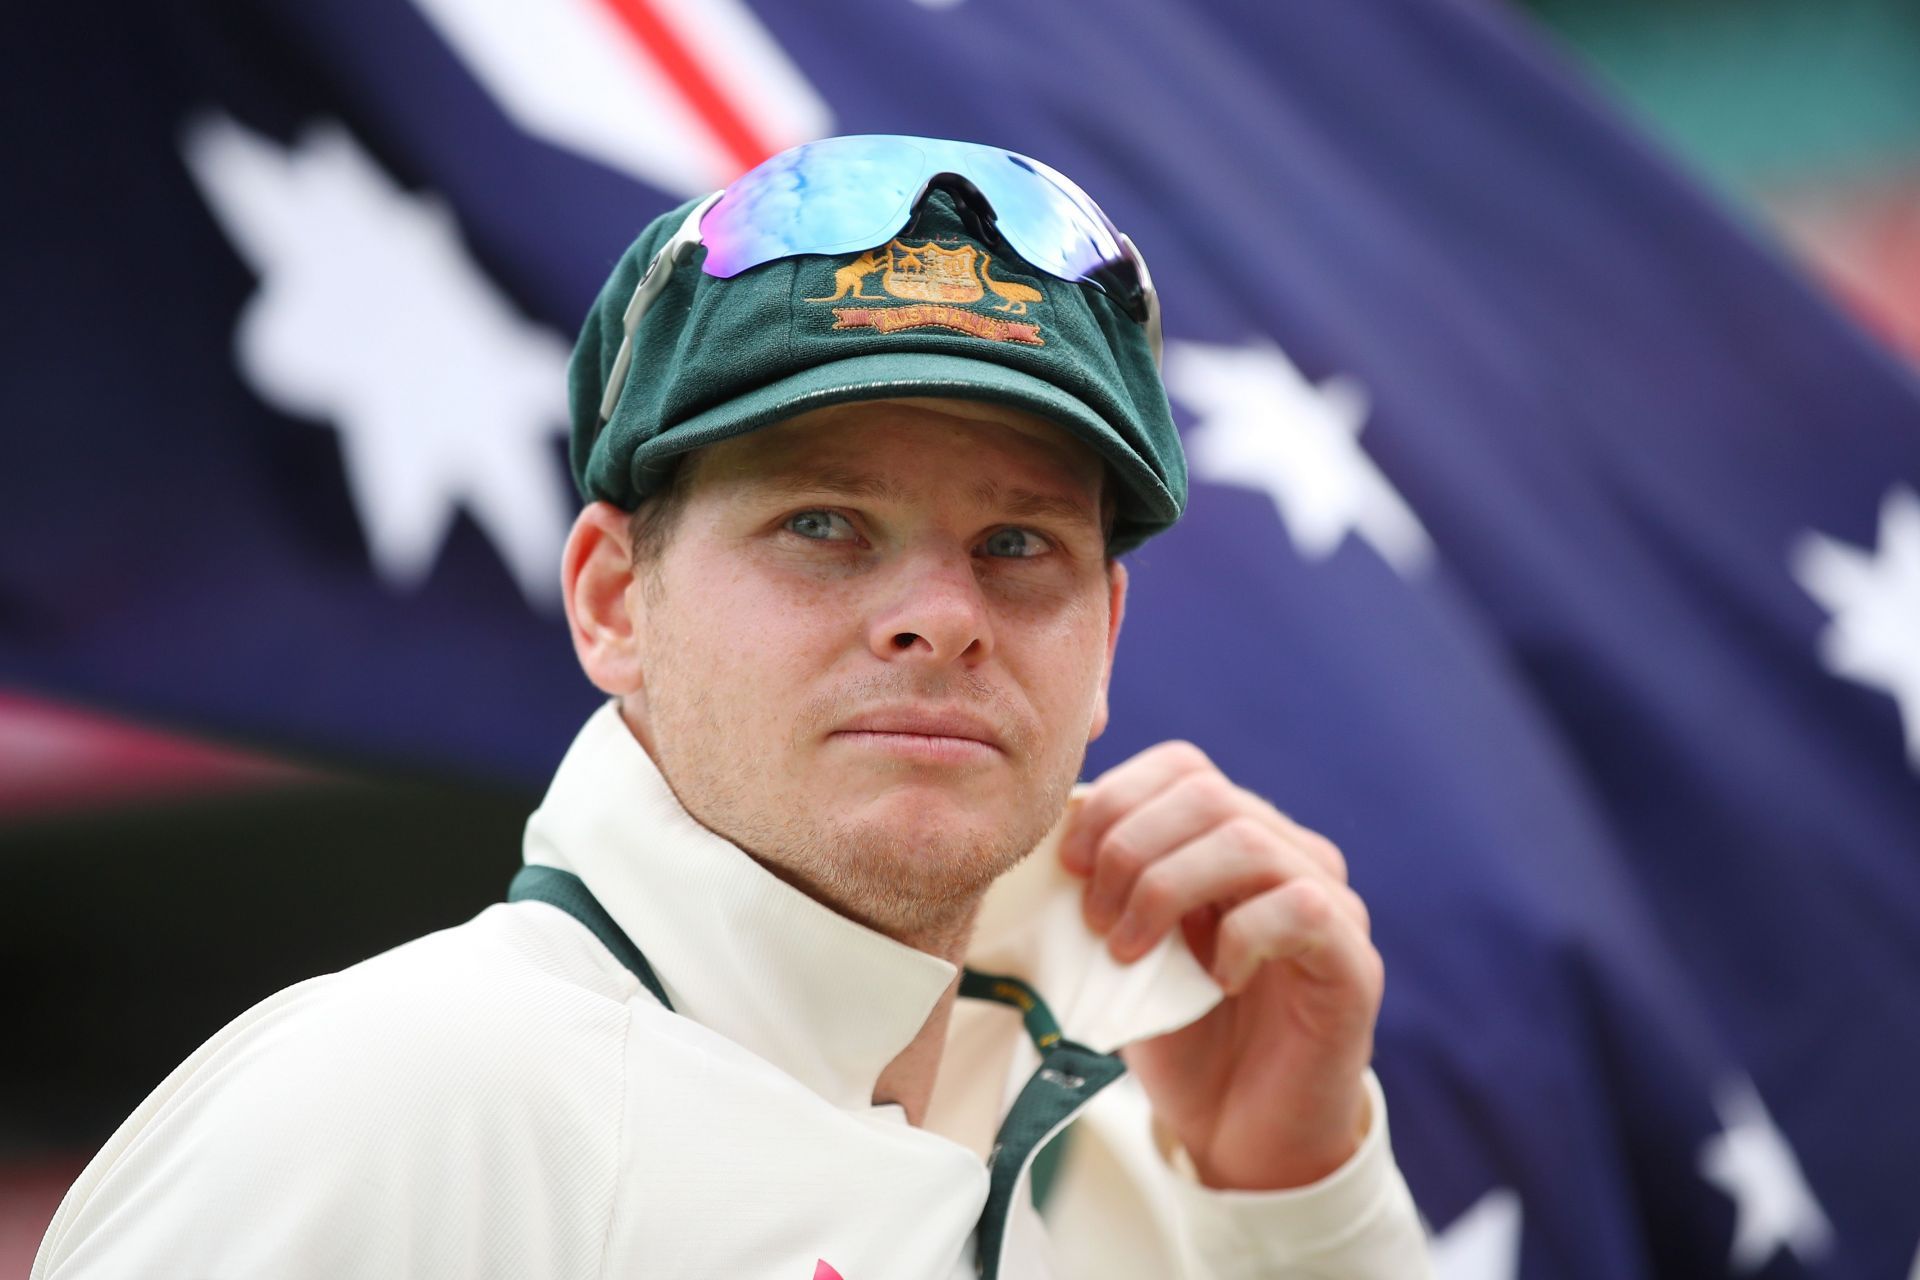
x=933, y=611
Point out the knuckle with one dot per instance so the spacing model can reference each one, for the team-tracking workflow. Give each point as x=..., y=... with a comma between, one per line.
x=1316, y=845
x=1154, y=893
x=1247, y=837
x=1189, y=790
x=1207, y=788
x=1184, y=756
x=1329, y=852
x=1362, y=916
x=1123, y=853
x=1373, y=974
x=1309, y=903
x=1236, y=934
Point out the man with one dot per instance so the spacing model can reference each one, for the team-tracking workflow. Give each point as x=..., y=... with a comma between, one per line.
x=782, y=990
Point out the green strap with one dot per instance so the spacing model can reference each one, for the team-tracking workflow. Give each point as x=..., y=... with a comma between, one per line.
x=568, y=892
x=1068, y=1077
x=1070, y=1074
x=1042, y=1029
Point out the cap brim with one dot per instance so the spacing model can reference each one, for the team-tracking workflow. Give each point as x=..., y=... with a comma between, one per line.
x=890, y=375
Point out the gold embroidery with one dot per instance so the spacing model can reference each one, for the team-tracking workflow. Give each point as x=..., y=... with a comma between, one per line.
x=933, y=278
x=931, y=315
x=929, y=273
x=1015, y=296
x=847, y=281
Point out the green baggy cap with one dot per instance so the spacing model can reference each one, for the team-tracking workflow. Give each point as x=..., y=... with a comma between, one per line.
x=932, y=312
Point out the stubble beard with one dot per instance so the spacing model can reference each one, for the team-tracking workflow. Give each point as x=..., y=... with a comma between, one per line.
x=924, y=894
x=921, y=887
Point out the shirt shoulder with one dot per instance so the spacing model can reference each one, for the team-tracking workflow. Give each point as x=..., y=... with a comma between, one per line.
x=464, y=1087
x=519, y=998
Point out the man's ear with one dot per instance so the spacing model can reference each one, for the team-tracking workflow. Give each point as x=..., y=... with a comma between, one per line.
x=596, y=574
x=1116, y=610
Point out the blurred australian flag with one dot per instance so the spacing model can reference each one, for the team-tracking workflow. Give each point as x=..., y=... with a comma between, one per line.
x=1553, y=548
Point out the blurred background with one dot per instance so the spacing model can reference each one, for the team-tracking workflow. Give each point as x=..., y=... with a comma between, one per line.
x=1547, y=373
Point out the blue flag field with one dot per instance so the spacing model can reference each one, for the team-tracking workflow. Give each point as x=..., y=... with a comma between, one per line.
x=1554, y=547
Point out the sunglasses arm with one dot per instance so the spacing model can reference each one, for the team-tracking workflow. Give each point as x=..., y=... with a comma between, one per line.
x=1154, y=341
x=672, y=254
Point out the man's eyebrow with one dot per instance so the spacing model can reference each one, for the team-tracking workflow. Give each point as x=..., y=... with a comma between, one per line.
x=1016, y=502
x=846, y=483
x=1029, y=504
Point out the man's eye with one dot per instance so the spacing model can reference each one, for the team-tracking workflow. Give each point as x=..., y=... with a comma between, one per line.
x=821, y=526
x=1015, y=542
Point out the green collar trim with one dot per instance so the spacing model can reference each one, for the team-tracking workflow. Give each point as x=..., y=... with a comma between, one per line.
x=569, y=892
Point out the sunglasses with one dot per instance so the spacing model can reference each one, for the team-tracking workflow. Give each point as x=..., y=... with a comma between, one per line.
x=843, y=195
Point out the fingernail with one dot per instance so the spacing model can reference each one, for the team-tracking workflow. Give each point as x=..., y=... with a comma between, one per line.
x=1125, y=939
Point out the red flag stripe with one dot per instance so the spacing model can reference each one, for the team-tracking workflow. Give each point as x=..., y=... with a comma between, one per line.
x=698, y=88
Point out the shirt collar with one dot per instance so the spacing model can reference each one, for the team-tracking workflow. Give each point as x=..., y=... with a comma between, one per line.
x=826, y=999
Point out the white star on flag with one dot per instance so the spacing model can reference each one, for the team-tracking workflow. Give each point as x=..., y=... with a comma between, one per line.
x=370, y=315
x=1751, y=1161
x=1481, y=1244
x=1874, y=600
x=1263, y=426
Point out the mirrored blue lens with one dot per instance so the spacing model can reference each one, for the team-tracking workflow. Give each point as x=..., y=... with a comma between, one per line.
x=1046, y=218
x=838, y=195
x=841, y=195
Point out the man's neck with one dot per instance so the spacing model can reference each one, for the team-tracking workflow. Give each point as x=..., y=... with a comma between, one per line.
x=909, y=1078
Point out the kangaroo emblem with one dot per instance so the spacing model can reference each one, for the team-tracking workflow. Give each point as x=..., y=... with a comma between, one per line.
x=849, y=281
x=1015, y=296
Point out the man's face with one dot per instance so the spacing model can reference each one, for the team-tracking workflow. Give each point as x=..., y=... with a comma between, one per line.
x=875, y=647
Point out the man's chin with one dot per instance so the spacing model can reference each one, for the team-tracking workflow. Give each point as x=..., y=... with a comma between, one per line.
x=937, y=811
x=912, y=859
x=903, y=878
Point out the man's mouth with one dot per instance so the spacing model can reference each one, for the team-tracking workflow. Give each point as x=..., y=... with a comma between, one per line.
x=945, y=736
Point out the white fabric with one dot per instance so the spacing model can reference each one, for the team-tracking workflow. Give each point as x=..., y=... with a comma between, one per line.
x=503, y=1099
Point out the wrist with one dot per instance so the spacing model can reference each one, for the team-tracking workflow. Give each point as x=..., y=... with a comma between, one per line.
x=1286, y=1162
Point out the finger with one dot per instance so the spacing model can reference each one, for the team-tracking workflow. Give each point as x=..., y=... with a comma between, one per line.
x=1201, y=807
x=1122, y=789
x=1316, y=846
x=1297, y=923
x=1193, y=892
x=1311, y=842
x=1111, y=797
x=1222, y=867
x=1182, y=811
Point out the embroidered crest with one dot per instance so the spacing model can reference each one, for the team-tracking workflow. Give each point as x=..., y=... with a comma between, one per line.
x=935, y=279
x=929, y=273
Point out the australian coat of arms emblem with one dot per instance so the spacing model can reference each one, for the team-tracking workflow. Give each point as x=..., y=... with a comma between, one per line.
x=943, y=281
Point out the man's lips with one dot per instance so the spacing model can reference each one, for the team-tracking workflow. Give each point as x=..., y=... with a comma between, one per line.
x=954, y=728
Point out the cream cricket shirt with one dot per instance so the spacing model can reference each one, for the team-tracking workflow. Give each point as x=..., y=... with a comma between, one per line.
x=505, y=1098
